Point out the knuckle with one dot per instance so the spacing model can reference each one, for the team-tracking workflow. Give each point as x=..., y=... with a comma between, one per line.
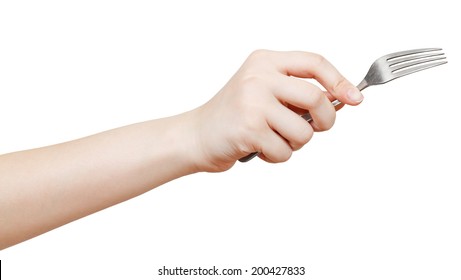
x=251, y=82
x=259, y=54
x=303, y=137
x=249, y=96
x=330, y=122
x=317, y=98
x=249, y=117
x=318, y=59
x=284, y=155
x=252, y=122
x=277, y=151
x=327, y=123
x=339, y=83
x=252, y=91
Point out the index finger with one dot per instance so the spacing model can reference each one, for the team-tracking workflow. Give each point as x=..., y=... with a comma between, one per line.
x=312, y=65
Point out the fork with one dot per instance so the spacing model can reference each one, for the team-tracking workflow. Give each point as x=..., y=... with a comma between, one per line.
x=388, y=68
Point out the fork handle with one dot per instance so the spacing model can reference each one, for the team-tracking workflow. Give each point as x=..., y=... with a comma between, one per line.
x=306, y=116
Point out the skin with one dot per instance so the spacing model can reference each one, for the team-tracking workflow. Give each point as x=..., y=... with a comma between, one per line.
x=257, y=110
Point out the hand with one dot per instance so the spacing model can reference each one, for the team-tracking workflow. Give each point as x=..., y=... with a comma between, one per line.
x=259, y=109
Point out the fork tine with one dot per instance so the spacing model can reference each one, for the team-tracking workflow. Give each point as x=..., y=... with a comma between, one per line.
x=409, y=52
x=396, y=61
x=420, y=67
x=411, y=63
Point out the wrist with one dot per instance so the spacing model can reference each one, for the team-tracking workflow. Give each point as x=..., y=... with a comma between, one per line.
x=205, y=145
x=180, y=142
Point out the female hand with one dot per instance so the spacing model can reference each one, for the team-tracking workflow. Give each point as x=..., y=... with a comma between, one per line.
x=259, y=109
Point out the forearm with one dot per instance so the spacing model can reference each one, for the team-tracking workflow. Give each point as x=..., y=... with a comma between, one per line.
x=44, y=188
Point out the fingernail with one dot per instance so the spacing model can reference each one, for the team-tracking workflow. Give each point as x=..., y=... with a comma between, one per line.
x=355, y=95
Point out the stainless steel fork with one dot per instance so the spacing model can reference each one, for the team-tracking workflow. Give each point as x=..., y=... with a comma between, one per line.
x=388, y=68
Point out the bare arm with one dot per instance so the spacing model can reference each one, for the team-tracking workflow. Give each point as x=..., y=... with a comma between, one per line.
x=258, y=110
x=44, y=188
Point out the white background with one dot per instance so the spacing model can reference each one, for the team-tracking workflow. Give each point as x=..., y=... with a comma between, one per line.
x=376, y=197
